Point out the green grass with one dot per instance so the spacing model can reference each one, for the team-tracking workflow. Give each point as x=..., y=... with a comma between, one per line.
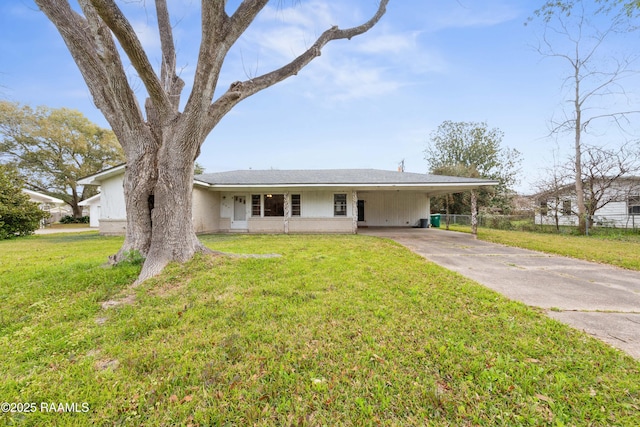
x=622, y=250
x=340, y=330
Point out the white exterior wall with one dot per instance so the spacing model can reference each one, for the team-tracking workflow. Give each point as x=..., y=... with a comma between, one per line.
x=92, y=205
x=382, y=209
x=613, y=214
x=113, y=213
x=112, y=205
x=549, y=218
x=316, y=214
x=321, y=225
x=205, y=210
x=319, y=204
x=94, y=215
x=394, y=208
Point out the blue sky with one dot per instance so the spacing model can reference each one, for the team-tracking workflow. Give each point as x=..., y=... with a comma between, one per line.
x=366, y=103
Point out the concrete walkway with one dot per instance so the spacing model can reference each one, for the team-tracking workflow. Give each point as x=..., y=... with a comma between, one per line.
x=63, y=230
x=603, y=301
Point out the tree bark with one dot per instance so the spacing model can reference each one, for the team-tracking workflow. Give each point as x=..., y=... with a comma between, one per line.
x=75, y=199
x=582, y=224
x=173, y=237
x=139, y=181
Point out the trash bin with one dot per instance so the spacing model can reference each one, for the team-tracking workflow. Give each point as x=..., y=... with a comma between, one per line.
x=435, y=220
x=424, y=222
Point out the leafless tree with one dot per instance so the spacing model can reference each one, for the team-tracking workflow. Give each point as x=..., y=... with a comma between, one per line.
x=552, y=187
x=609, y=175
x=162, y=141
x=594, y=80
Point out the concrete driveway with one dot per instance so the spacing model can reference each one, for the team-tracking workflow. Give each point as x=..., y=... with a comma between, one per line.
x=603, y=301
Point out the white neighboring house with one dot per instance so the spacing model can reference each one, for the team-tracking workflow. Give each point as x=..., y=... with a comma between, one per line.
x=55, y=207
x=93, y=203
x=620, y=205
x=295, y=201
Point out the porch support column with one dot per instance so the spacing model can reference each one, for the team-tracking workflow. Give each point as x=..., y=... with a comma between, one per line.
x=354, y=211
x=474, y=213
x=287, y=212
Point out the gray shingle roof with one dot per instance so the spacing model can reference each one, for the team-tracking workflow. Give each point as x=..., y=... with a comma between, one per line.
x=329, y=176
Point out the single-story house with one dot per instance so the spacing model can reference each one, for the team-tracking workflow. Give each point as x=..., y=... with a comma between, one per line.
x=55, y=207
x=619, y=204
x=295, y=201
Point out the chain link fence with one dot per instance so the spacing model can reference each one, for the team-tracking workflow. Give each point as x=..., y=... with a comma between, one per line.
x=531, y=222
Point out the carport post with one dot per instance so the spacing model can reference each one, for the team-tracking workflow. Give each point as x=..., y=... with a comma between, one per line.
x=474, y=213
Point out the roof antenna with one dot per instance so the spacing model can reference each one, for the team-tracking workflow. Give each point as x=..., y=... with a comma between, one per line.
x=401, y=166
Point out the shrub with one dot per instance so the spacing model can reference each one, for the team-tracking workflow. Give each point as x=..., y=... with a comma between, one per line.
x=18, y=215
x=68, y=219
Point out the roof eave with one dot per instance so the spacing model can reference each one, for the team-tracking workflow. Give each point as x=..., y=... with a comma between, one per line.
x=461, y=186
x=98, y=178
x=45, y=197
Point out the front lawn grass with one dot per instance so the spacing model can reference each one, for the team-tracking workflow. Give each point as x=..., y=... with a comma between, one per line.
x=339, y=330
x=621, y=250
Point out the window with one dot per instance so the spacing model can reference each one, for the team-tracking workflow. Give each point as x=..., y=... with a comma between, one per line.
x=295, y=205
x=340, y=205
x=566, y=207
x=634, y=205
x=255, y=205
x=544, y=207
x=274, y=205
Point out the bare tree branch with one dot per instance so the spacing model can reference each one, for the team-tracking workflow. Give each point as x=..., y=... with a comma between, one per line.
x=241, y=90
x=93, y=50
x=172, y=84
x=113, y=17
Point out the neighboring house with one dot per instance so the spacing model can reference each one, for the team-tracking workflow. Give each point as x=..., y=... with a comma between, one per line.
x=295, y=201
x=55, y=207
x=93, y=203
x=619, y=204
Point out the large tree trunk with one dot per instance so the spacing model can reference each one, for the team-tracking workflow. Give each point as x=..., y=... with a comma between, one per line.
x=139, y=181
x=172, y=234
x=75, y=209
x=582, y=211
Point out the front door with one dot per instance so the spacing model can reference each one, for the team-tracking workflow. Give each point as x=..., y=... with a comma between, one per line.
x=360, y=210
x=239, y=212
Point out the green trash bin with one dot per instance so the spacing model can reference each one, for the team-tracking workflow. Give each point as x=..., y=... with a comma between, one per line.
x=435, y=220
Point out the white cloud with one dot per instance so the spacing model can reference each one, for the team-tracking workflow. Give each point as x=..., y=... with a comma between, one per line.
x=388, y=43
x=472, y=14
x=148, y=35
x=308, y=14
x=403, y=50
x=369, y=66
x=353, y=81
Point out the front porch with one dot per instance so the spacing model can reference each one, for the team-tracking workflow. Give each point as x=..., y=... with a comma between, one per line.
x=282, y=210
